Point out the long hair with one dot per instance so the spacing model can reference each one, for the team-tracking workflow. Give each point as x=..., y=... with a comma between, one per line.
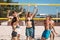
x=13, y=20
x=28, y=14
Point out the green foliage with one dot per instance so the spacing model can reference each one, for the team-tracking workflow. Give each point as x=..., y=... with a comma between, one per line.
x=4, y=8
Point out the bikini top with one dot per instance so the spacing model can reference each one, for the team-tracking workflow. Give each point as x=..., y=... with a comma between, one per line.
x=29, y=19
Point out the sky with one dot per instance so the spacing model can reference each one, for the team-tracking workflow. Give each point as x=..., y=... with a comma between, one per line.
x=42, y=9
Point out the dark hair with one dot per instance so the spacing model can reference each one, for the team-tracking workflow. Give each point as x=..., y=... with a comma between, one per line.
x=49, y=16
x=13, y=12
x=13, y=20
x=28, y=14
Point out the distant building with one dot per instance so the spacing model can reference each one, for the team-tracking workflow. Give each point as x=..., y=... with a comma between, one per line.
x=41, y=15
x=44, y=15
x=54, y=16
x=59, y=14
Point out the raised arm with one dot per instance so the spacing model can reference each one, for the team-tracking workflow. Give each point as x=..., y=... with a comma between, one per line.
x=27, y=9
x=35, y=11
x=8, y=11
x=21, y=10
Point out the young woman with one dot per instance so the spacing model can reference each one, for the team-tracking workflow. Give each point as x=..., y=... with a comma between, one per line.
x=29, y=28
x=14, y=19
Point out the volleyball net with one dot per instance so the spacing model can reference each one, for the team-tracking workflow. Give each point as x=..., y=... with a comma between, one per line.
x=26, y=4
x=33, y=18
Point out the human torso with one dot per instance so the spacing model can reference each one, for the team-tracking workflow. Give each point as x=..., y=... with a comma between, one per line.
x=46, y=25
x=14, y=22
x=29, y=22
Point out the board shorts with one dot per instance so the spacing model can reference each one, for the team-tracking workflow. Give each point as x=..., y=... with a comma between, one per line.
x=29, y=32
x=46, y=34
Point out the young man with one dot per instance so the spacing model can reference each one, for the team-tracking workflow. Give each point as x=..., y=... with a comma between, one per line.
x=14, y=19
x=52, y=28
x=29, y=28
x=47, y=31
